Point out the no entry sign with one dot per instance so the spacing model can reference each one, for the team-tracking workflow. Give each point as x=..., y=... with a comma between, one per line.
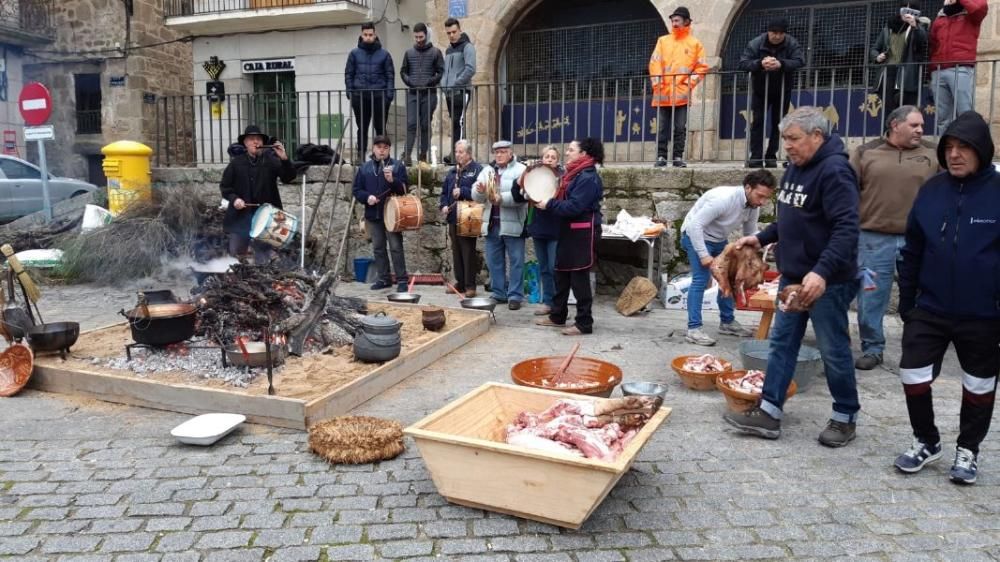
x=35, y=104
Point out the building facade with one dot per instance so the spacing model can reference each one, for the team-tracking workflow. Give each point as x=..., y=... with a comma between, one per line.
x=24, y=24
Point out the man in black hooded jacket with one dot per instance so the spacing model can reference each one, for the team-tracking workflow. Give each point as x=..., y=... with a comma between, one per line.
x=423, y=67
x=949, y=293
x=772, y=59
x=370, y=79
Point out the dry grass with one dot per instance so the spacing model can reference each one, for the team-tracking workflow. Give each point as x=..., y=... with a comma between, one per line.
x=356, y=439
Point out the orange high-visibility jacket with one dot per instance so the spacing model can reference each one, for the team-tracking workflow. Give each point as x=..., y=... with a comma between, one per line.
x=676, y=67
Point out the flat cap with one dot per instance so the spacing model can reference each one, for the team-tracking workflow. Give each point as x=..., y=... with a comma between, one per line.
x=502, y=144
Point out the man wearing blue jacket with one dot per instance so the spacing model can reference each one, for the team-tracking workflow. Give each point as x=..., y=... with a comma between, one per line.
x=949, y=293
x=379, y=178
x=817, y=236
x=370, y=80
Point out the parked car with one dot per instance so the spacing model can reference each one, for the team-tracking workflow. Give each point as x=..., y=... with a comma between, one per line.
x=21, y=188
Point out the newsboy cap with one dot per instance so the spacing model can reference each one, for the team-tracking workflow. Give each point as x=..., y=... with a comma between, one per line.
x=502, y=144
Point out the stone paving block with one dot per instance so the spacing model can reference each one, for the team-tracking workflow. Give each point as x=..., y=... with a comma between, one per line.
x=227, y=482
x=17, y=545
x=216, y=523
x=223, y=539
x=353, y=502
x=131, y=542
x=518, y=544
x=254, y=507
x=677, y=538
x=600, y=556
x=301, y=505
x=311, y=519
x=460, y=512
x=351, y=552
x=281, y=481
x=387, y=489
x=60, y=527
x=336, y=490
x=195, y=495
x=364, y=478
x=13, y=529
x=598, y=524
x=742, y=552
x=280, y=538
x=391, y=531
x=168, y=523
x=148, y=509
x=431, y=500
x=293, y=492
x=363, y=517
x=297, y=554
x=70, y=475
x=445, y=529
x=97, y=499
x=242, y=494
x=622, y=539
x=816, y=549
x=83, y=487
x=177, y=472
x=494, y=527
x=242, y=555
x=111, y=526
x=546, y=557
x=114, y=474
x=79, y=543
x=339, y=534
x=158, y=495
x=25, y=476
x=781, y=533
x=462, y=546
x=270, y=521
x=84, y=558
x=227, y=470
x=405, y=549
x=389, y=502
x=648, y=521
x=138, y=557
x=46, y=514
x=28, y=488
x=175, y=542
x=650, y=555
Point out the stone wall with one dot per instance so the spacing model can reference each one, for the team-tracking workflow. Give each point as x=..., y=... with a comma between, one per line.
x=92, y=34
x=667, y=194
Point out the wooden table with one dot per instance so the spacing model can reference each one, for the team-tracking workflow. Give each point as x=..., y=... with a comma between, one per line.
x=765, y=303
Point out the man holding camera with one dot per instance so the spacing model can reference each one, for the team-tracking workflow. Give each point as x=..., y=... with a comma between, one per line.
x=249, y=181
x=901, y=46
x=377, y=179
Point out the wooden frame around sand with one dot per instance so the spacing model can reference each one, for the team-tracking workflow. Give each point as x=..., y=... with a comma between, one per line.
x=269, y=410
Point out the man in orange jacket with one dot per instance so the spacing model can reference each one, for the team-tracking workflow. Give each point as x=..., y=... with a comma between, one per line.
x=676, y=67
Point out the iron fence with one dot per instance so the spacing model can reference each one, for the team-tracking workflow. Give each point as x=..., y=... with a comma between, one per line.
x=88, y=122
x=191, y=130
x=174, y=8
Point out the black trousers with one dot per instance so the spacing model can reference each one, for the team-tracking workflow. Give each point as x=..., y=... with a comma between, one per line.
x=926, y=338
x=420, y=106
x=776, y=104
x=395, y=240
x=457, y=100
x=579, y=281
x=670, y=120
x=369, y=109
x=465, y=259
x=893, y=98
x=239, y=244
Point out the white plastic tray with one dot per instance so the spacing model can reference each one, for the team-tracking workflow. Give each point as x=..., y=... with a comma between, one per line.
x=207, y=428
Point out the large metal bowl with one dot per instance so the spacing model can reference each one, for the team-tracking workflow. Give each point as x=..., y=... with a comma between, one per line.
x=479, y=303
x=644, y=389
x=411, y=298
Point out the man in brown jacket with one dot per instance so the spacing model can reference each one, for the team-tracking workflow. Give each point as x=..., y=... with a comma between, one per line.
x=890, y=171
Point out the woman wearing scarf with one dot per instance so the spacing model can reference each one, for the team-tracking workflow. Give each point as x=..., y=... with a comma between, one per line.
x=577, y=205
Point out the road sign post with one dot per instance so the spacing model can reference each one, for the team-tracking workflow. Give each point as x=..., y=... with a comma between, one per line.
x=35, y=105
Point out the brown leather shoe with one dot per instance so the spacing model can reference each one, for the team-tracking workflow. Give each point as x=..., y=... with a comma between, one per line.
x=543, y=311
x=545, y=321
x=572, y=331
x=470, y=293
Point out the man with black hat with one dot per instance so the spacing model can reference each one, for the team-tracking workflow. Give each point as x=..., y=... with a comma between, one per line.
x=771, y=58
x=949, y=293
x=250, y=180
x=377, y=179
x=676, y=66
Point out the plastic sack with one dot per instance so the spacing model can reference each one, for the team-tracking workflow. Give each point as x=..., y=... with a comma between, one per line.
x=532, y=282
x=95, y=217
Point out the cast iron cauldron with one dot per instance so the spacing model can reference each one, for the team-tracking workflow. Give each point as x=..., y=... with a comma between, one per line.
x=55, y=336
x=161, y=324
x=379, y=339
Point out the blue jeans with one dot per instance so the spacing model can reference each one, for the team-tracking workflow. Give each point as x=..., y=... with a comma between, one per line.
x=545, y=251
x=878, y=252
x=499, y=251
x=952, y=89
x=829, y=318
x=701, y=277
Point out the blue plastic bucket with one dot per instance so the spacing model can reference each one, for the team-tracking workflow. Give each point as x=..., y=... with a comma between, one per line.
x=361, y=269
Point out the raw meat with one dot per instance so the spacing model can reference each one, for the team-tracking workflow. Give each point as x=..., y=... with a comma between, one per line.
x=704, y=364
x=738, y=269
x=752, y=382
x=789, y=299
x=529, y=440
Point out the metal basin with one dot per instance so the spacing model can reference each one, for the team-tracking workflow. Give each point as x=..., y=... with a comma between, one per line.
x=256, y=355
x=479, y=303
x=644, y=389
x=412, y=298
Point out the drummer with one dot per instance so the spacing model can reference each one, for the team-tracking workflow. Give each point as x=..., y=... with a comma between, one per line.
x=503, y=225
x=577, y=204
x=458, y=186
x=377, y=179
x=250, y=180
x=543, y=227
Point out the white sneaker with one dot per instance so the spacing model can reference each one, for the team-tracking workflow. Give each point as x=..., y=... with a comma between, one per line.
x=698, y=337
x=734, y=328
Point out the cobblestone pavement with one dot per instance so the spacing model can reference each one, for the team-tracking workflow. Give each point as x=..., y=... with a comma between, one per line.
x=88, y=481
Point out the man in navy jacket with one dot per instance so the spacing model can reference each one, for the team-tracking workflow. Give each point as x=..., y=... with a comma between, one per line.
x=817, y=234
x=370, y=81
x=379, y=178
x=949, y=293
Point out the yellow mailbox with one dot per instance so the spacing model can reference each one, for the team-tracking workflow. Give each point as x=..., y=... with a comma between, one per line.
x=126, y=165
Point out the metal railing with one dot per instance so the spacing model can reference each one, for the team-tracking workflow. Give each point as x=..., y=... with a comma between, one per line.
x=618, y=111
x=173, y=8
x=88, y=122
x=32, y=16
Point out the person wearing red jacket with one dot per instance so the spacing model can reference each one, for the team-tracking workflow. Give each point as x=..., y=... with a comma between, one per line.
x=953, y=42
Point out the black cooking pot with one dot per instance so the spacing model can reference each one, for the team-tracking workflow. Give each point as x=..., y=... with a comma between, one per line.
x=164, y=296
x=161, y=324
x=56, y=336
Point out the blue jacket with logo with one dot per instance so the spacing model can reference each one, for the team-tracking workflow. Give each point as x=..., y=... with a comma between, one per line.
x=464, y=181
x=951, y=260
x=818, y=224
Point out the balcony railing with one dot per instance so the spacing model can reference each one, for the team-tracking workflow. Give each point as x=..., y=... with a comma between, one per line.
x=618, y=111
x=176, y=8
x=88, y=122
x=30, y=16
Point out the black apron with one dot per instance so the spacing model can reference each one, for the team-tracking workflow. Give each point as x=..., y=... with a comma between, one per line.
x=577, y=248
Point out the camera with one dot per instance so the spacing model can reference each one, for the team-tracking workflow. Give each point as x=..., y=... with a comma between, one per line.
x=904, y=11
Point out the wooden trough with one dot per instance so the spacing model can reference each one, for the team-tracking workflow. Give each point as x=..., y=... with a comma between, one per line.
x=51, y=375
x=463, y=447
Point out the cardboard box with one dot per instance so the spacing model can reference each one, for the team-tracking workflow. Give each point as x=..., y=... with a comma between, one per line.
x=673, y=293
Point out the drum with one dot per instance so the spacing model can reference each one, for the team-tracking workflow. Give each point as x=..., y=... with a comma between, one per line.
x=540, y=183
x=469, y=218
x=403, y=212
x=273, y=226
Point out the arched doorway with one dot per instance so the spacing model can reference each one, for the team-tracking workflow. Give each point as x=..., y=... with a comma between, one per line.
x=575, y=67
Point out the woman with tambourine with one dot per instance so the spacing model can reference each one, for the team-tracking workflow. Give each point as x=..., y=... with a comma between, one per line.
x=543, y=226
x=577, y=205
x=458, y=187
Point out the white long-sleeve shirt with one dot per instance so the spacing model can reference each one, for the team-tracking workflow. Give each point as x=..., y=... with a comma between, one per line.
x=718, y=212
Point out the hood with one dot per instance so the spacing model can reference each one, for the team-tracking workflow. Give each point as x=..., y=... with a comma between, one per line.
x=951, y=10
x=970, y=128
x=427, y=45
x=833, y=146
x=370, y=47
x=462, y=40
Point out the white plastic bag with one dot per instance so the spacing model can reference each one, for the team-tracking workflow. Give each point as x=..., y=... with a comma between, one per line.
x=95, y=217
